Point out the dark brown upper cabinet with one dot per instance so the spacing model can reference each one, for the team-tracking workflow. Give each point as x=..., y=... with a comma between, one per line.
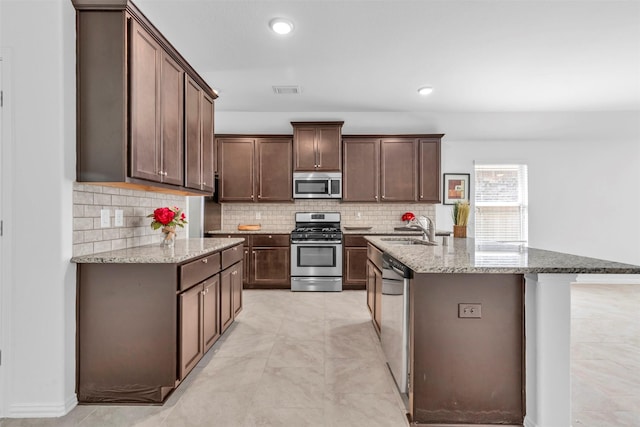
x=402, y=168
x=317, y=146
x=198, y=113
x=429, y=183
x=255, y=168
x=131, y=105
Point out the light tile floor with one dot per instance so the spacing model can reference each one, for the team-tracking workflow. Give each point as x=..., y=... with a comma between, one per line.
x=290, y=359
x=313, y=359
x=605, y=355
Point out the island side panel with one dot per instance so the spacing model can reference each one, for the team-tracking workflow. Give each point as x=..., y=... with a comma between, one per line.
x=468, y=370
x=127, y=332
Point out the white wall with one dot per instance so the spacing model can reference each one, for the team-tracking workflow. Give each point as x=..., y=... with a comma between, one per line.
x=583, y=196
x=39, y=357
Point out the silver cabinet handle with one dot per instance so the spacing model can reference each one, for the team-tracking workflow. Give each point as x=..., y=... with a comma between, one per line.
x=205, y=260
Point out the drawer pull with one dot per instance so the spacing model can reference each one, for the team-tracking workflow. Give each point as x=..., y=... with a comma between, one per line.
x=205, y=260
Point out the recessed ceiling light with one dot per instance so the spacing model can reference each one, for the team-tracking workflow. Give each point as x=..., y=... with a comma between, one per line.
x=426, y=90
x=281, y=26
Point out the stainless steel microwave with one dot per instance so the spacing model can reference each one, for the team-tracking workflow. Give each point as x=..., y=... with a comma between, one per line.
x=317, y=185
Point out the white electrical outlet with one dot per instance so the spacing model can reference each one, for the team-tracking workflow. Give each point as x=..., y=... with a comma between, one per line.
x=105, y=220
x=258, y=215
x=119, y=218
x=359, y=215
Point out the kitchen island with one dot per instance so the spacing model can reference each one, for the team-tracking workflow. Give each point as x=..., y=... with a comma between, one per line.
x=147, y=315
x=507, y=362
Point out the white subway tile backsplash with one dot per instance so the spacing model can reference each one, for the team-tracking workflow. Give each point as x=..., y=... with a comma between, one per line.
x=102, y=199
x=82, y=197
x=83, y=223
x=88, y=200
x=380, y=216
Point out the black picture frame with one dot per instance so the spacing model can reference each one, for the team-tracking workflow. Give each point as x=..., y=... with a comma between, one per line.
x=455, y=188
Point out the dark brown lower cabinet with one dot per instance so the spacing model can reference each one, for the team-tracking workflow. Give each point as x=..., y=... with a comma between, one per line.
x=143, y=327
x=211, y=312
x=226, y=299
x=354, y=275
x=199, y=322
x=236, y=289
x=267, y=259
x=191, y=342
x=466, y=371
x=374, y=285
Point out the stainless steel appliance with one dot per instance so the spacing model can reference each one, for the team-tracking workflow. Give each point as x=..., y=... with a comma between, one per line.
x=317, y=185
x=394, y=320
x=316, y=252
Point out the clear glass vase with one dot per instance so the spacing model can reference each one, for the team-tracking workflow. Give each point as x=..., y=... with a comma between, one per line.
x=169, y=236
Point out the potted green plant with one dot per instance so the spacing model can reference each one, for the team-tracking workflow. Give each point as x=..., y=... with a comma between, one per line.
x=460, y=216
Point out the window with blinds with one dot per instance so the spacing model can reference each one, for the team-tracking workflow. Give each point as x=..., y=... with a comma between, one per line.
x=501, y=203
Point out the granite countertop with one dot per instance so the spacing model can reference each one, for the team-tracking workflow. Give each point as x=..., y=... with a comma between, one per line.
x=184, y=250
x=261, y=231
x=360, y=230
x=465, y=256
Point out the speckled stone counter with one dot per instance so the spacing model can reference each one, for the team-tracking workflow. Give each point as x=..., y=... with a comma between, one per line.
x=466, y=256
x=261, y=231
x=183, y=250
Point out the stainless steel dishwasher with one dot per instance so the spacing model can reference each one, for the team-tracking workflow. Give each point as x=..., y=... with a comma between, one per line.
x=394, y=321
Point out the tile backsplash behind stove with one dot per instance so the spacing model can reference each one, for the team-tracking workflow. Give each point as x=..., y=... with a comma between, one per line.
x=89, y=200
x=280, y=216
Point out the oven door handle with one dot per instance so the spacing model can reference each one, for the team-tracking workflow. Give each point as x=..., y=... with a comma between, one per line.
x=316, y=242
x=317, y=279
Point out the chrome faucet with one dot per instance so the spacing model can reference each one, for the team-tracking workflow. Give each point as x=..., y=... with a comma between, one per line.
x=425, y=224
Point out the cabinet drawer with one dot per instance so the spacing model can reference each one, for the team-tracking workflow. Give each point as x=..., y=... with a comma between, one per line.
x=231, y=256
x=350, y=240
x=229, y=236
x=270, y=240
x=196, y=271
x=375, y=255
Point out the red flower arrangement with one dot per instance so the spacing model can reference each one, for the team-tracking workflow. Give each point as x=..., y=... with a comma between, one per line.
x=168, y=217
x=408, y=216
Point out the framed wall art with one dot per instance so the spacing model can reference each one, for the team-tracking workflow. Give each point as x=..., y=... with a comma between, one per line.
x=455, y=188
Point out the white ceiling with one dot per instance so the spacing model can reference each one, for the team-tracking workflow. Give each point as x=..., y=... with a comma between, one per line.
x=371, y=56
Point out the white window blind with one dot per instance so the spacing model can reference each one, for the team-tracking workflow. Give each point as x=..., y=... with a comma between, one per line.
x=501, y=203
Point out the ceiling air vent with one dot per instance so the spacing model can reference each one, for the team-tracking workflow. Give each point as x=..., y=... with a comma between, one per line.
x=286, y=90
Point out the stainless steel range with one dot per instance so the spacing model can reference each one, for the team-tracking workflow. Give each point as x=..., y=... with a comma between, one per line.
x=316, y=252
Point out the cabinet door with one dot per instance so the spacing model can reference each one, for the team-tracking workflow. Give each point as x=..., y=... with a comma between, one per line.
x=208, y=148
x=171, y=108
x=270, y=266
x=191, y=344
x=429, y=170
x=210, y=317
x=236, y=164
x=226, y=299
x=274, y=173
x=377, y=303
x=398, y=170
x=192, y=132
x=371, y=287
x=355, y=266
x=246, y=264
x=304, y=150
x=236, y=288
x=146, y=55
x=328, y=146
x=361, y=172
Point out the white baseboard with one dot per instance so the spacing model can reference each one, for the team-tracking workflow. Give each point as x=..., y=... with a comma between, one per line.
x=529, y=423
x=45, y=410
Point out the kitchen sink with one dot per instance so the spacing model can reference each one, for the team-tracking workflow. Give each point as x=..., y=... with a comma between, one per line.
x=408, y=241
